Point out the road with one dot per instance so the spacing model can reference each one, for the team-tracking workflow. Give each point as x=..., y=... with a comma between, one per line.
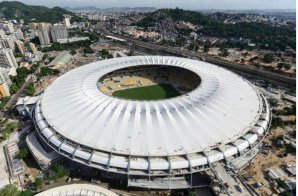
x=234, y=186
x=280, y=78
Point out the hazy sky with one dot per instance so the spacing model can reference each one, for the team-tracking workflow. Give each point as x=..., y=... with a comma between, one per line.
x=186, y=4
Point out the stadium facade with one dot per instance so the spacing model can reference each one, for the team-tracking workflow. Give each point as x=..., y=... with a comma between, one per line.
x=152, y=144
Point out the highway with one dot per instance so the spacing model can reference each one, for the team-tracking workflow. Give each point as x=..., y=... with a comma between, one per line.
x=282, y=79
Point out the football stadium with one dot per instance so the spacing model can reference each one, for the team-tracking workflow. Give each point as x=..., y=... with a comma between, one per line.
x=153, y=121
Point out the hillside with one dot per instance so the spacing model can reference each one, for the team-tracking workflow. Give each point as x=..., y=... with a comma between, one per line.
x=270, y=37
x=175, y=15
x=17, y=10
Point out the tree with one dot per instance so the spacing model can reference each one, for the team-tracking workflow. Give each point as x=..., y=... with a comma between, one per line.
x=3, y=102
x=225, y=52
x=277, y=122
x=88, y=50
x=9, y=190
x=73, y=52
x=273, y=102
x=45, y=56
x=206, y=47
x=13, y=88
x=30, y=90
x=192, y=194
x=57, y=172
x=105, y=53
x=38, y=183
x=23, y=153
x=268, y=58
x=27, y=192
x=51, y=58
x=44, y=71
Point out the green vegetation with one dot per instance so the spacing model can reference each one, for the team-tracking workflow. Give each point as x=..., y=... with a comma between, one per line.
x=88, y=50
x=24, y=152
x=79, y=33
x=73, y=52
x=224, y=52
x=284, y=65
x=206, y=47
x=18, y=10
x=19, y=79
x=155, y=92
x=9, y=190
x=268, y=58
x=192, y=194
x=277, y=122
x=12, y=190
x=45, y=71
x=76, y=18
x=290, y=149
x=3, y=102
x=30, y=90
x=264, y=35
x=177, y=15
x=27, y=192
x=57, y=172
x=281, y=183
x=67, y=46
x=38, y=183
x=105, y=54
x=273, y=102
x=9, y=128
x=286, y=111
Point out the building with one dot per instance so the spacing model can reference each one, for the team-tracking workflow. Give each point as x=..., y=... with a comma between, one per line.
x=8, y=27
x=40, y=25
x=58, y=32
x=44, y=36
x=157, y=144
x=67, y=22
x=43, y=25
x=5, y=83
x=33, y=25
x=32, y=48
x=18, y=34
x=8, y=42
x=72, y=39
x=8, y=61
x=2, y=34
x=15, y=163
x=20, y=46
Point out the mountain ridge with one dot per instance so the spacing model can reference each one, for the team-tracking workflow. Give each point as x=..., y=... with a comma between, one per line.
x=19, y=10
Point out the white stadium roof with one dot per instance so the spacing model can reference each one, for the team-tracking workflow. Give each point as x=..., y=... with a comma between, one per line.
x=220, y=110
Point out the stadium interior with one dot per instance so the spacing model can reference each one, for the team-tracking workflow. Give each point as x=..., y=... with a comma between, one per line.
x=169, y=78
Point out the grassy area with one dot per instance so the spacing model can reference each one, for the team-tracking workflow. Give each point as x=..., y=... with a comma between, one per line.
x=154, y=92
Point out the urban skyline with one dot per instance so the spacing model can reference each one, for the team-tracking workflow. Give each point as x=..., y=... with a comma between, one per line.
x=188, y=4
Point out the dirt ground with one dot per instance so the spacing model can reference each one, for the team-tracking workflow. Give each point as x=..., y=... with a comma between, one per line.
x=246, y=57
x=259, y=167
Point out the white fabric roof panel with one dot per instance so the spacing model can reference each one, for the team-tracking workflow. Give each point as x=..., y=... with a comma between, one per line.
x=241, y=144
x=212, y=113
x=47, y=132
x=198, y=160
x=139, y=164
x=263, y=124
x=229, y=150
x=259, y=130
x=214, y=156
x=251, y=137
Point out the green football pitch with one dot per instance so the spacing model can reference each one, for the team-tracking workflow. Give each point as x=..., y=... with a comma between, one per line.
x=154, y=92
